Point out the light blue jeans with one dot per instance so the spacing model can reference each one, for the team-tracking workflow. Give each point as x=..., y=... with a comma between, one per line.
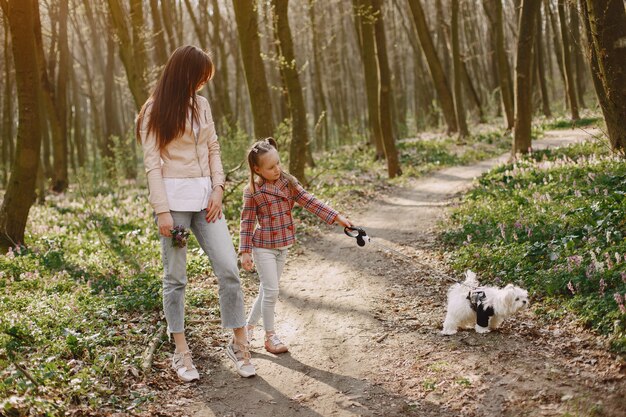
x=269, y=265
x=215, y=241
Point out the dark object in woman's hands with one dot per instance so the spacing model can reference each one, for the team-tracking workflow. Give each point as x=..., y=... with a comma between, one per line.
x=179, y=236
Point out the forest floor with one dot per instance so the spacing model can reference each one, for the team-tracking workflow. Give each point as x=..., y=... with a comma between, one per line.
x=363, y=329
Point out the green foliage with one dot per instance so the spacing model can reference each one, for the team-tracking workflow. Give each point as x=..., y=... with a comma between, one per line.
x=553, y=222
x=564, y=123
x=81, y=300
x=79, y=304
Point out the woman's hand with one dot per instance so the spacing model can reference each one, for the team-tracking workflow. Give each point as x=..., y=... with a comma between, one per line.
x=246, y=261
x=214, y=209
x=165, y=223
x=342, y=220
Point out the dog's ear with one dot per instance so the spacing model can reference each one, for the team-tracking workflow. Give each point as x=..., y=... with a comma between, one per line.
x=510, y=294
x=469, y=274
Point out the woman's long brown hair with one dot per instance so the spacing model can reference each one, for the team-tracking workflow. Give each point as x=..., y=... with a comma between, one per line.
x=187, y=68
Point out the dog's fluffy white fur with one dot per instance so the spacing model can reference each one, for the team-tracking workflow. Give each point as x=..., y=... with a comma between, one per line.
x=505, y=302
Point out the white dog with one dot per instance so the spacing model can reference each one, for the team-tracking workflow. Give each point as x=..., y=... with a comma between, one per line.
x=484, y=308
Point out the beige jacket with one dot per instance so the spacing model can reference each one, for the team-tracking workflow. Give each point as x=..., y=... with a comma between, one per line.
x=187, y=156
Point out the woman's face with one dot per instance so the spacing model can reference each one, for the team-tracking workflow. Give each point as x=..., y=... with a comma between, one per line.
x=269, y=165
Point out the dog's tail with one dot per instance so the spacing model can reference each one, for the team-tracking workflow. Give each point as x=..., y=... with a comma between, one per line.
x=470, y=278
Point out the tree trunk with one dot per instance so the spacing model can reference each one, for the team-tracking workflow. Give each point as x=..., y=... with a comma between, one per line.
x=541, y=72
x=49, y=117
x=20, y=193
x=132, y=47
x=254, y=69
x=321, y=113
x=436, y=71
x=523, y=76
x=458, y=72
x=289, y=68
x=7, y=109
x=222, y=87
x=579, y=61
x=384, y=97
x=570, y=86
x=605, y=26
x=167, y=11
x=364, y=25
x=160, y=49
x=556, y=40
x=60, y=144
x=493, y=9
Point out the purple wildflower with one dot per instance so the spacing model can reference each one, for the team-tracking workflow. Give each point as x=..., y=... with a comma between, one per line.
x=602, y=286
x=620, y=302
x=570, y=287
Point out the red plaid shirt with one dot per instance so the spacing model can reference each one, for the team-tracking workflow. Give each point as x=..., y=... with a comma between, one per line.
x=269, y=209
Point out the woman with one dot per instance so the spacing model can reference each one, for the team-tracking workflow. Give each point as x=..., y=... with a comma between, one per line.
x=186, y=183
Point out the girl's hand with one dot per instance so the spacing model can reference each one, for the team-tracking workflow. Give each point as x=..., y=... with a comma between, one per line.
x=214, y=209
x=165, y=223
x=342, y=220
x=246, y=261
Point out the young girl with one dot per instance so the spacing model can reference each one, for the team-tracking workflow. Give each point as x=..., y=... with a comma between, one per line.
x=186, y=183
x=267, y=203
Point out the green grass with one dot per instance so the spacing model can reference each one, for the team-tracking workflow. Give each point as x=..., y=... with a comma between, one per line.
x=554, y=222
x=82, y=299
x=564, y=123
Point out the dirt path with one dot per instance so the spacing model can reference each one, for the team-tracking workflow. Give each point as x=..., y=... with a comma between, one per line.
x=363, y=329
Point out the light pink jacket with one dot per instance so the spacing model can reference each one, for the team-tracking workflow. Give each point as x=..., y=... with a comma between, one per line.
x=188, y=156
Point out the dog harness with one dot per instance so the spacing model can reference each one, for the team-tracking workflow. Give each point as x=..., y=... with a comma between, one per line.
x=477, y=299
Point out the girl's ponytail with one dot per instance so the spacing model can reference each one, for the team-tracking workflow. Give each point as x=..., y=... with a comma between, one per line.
x=260, y=148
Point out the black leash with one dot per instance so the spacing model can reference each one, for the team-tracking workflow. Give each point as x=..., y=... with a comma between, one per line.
x=362, y=238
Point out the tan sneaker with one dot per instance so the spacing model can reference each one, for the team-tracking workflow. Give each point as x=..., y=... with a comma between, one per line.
x=183, y=365
x=274, y=345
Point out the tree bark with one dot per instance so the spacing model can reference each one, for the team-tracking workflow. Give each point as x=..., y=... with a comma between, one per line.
x=321, y=109
x=605, y=26
x=570, y=86
x=493, y=9
x=364, y=24
x=20, y=193
x=541, y=72
x=160, y=49
x=132, y=47
x=579, y=61
x=384, y=97
x=254, y=69
x=60, y=143
x=523, y=76
x=289, y=68
x=458, y=72
x=7, y=108
x=434, y=65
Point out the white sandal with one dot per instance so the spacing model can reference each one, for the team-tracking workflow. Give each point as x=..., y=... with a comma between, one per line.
x=240, y=355
x=184, y=367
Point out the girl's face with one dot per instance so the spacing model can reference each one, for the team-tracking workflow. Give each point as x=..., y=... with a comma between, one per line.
x=269, y=165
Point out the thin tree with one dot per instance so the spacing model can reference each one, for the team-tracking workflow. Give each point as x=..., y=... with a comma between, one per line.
x=132, y=47
x=321, y=109
x=364, y=24
x=440, y=80
x=540, y=66
x=384, y=93
x=20, y=193
x=289, y=69
x=605, y=27
x=458, y=72
x=254, y=69
x=570, y=86
x=577, y=50
x=523, y=76
x=493, y=9
x=60, y=144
